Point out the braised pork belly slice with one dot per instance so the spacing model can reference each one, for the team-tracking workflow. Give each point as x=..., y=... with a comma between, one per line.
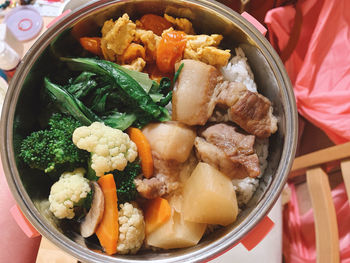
x=200, y=88
x=156, y=186
x=228, y=150
x=227, y=138
x=194, y=95
x=164, y=181
x=171, y=144
x=250, y=110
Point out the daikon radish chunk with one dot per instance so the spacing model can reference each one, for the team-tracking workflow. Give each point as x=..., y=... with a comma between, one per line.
x=176, y=233
x=209, y=197
x=171, y=140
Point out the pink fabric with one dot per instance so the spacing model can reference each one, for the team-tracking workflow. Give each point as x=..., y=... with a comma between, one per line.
x=299, y=230
x=15, y=246
x=319, y=67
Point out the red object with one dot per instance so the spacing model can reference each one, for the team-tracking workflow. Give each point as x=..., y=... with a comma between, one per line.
x=255, y=23
x=12, y=238
x=10, y=73
x=255, y=236
x=170, y=50
x=23, y=222
x=25, y=24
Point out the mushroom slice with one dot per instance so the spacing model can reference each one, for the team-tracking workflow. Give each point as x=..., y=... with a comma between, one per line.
x=92, y=219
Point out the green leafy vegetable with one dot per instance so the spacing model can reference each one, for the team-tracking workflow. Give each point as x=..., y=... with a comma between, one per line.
x=67, y=103
x=82, y=85
x=177, y=73
x=52, y=150
x=124, y=180
x=118, y=120
x=141, y=78
x=91, y=174
x=88, y=200
x=105, y=91
x=128, y=89
x=83, y=206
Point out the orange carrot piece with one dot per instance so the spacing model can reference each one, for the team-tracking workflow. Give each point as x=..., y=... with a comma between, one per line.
x=155, y=23
x=170, y=50
x=144, y=150
x=108, y=230
x=91, y=44
x=157, y=212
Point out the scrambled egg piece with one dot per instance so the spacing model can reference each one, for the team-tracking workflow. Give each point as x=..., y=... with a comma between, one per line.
x=199, y=41
x=132, y=52
x=108, y=54
x=116, y=37
x=150, y=42
x=214, y=56
x=204, y=48
x=182, y=24
x=137, y=65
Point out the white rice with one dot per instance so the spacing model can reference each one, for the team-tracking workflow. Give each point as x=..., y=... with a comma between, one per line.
x=246, y=187
x=238, y=70
x=261, y=147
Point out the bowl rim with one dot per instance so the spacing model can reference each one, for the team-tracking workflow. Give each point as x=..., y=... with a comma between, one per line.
x=213, y=249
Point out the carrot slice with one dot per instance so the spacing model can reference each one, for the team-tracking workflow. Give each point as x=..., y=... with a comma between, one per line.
x=144, y=150
x=170, y=50
x=91, y=44
x=155, y=23
x=108, y=230
x=157, y=212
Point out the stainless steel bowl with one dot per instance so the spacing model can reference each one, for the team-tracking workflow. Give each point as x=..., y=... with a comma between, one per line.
x=21, y=107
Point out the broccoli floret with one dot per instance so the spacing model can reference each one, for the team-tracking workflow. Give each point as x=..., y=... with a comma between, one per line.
x=124, y=180
x=52, y=150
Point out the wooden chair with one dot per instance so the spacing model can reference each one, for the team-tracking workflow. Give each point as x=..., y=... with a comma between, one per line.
x=326, y=227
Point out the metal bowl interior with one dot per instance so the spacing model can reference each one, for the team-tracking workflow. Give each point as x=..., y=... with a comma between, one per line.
x=22, y=106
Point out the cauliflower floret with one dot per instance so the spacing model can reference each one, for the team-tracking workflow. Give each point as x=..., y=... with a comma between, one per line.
x=111, y=148
x=117, y=36
x=182, y=24
x=131, y=229
x=71, y=188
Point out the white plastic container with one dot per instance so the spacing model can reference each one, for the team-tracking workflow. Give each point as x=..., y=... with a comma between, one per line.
x=3, y=89
x=10, y=49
